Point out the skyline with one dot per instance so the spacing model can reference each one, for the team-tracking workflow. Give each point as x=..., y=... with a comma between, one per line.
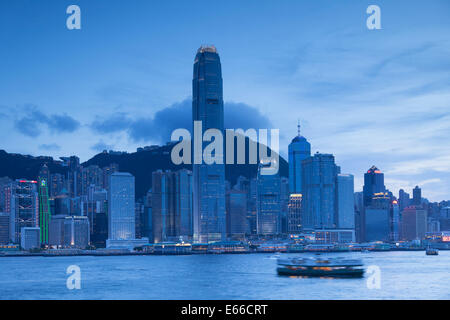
x=110, y=85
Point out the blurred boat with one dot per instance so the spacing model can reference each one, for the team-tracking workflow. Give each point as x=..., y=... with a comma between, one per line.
x=321, y=267
x=431, y=251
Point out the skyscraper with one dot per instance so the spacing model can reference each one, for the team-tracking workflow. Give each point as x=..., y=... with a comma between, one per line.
x=44, y=173
x=183, y=205
x=284, y=201
x=299, y=150
x=395, y=216
x=414, y=223
x=403, y=199
x=359, y=216
x=165, y=224
x=76, y=232
x=236, y=204
x=74, y=175
x=29, y=238
x=417, y=196
x=209, y=179
x=373, y=183
x=56, y=184
x=319, y=175
x=95, y=206
x=346, y=201
x=171, y=205
x=91, y=175
x=249, y=187
x=44, y=209
x=294, y=221
x=378, y=221
x=56, y=230
x=23, y=206
x=268, y=203
x=4, y=228
x=121, y=223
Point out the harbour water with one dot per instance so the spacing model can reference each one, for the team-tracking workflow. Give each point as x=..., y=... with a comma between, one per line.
x=404, y=275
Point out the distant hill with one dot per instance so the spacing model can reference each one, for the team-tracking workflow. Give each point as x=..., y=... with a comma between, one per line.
x=18, y=166
x=140, y=164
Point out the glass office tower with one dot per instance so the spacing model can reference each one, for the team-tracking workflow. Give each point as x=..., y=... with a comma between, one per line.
x=121, y=215
x=373, y=183
x=209, y=180
x=319, y=174
x=299, y=150
x=345, y=201
x=268, y=203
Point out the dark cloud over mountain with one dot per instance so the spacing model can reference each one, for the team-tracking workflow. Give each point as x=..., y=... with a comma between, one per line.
x=50, y=147
x=178, y=115
x=100, y=146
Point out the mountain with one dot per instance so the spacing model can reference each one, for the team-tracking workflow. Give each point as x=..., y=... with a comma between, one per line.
x=18, y=166
x=141, y=164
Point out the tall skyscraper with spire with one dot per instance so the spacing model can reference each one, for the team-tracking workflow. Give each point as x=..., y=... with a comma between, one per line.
x=209, y=179
x=299, y=150
x=44, y=210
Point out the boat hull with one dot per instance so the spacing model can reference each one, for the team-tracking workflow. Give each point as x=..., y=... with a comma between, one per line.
x=309, y=272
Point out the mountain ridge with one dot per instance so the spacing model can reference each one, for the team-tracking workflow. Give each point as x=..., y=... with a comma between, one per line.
x=141, y=164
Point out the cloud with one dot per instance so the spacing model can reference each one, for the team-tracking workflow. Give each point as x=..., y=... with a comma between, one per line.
x=3, y=115
x=27, y=127
x=31, y=124
x=50, y=147
x=179, y=115
x=243, y=116
x=61, y=123
x=100, y=146
x=405, y=56
x=116, y=122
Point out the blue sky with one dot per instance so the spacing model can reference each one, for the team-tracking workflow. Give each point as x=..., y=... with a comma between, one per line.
x=369, y=97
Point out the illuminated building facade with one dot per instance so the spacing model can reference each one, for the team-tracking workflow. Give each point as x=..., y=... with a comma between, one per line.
x=373, y=183
x=294, y=221
x=121, y=219
x=44, y=210
x=29, y=238
x=209, y=179
x=76, y=232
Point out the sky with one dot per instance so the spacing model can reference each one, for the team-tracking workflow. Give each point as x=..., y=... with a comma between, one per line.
x=370, y=97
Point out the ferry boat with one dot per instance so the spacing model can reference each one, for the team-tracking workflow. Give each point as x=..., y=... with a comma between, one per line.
x=320, y=267
x=432, y=252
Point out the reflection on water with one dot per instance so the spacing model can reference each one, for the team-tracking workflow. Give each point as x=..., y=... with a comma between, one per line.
x=404, y=275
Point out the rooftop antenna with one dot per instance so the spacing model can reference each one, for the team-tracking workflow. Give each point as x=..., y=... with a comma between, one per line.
x=298, y=127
